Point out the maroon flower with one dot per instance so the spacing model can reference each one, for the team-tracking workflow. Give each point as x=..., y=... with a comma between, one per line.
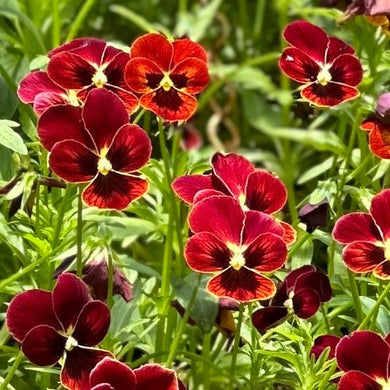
x=364, y=356
x=322, y=342
x=167, y=75
x=301, y=293
x=314, y=215
x=110, y=374
x=366, y=237
x=326, y=66
x=191, y=138
x=65, y=323
x=97, y=145
x=237, y=247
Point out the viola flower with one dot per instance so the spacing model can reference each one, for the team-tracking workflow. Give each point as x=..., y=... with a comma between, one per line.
x=325, y=65
x=366, y=237
x=110, y=374
x=234, y=175
x=237, y=247
x=314, y=215
x=364, y=356
x=301, y=293
x=191, y=138
x=65, y=325
x=96, y=145
x=321, y=343
x=167, y=74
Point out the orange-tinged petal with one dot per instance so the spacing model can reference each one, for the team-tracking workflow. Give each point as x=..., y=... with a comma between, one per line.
x=190, y=75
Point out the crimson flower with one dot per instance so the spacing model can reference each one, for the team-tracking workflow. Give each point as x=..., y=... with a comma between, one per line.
x=325, y=65
x=366, y=237
x=237, y=247
x=322, y=342
x=110, y=374
x=97, y=145
x=364, y=356
x=233, y=175
x=64, y=324
x=167, y=75
x=301, y=293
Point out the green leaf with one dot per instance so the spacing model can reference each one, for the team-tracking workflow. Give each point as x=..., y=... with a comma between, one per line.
x=383, y=318
x=10, y=138
x=316, y=171
x=39, y=62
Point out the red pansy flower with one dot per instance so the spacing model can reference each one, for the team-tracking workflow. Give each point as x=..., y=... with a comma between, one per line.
x=110, y=374
x=366, y=237
x=167, y=75
x=325, y=65
x=237, y=247
x=234, y=175
x=97, y=145
x=301, y=293
x=322, y=342
x=365, y=358
x=65, y=323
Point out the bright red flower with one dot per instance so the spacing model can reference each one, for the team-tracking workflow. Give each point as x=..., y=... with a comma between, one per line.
x=65, y=323
x=301, y=293
x=97, y=145
x=325, y=65
x=110, y=374
x=366, y=237
x=234, y=175
x=167, y=75
x=364, y=356
x=237, y=247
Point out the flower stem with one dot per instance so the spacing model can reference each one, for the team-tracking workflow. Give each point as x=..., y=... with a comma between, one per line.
x=325, y=316
x=37, y=210
x=79, y=259
x=206, y=365
x=237, y=338
x=355, y=296
x=139, y=116
x=56, y=25
x=12, y=371
x=81, y=16
x=61, y=212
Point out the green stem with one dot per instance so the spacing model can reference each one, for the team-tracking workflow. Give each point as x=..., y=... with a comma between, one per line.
x=206, y=365
x=139, y=116
x=12, y=371
x=60, y=218
x=56, y=25
x=37, y=210
x=79, y=237
x=81, y=16
x=355, y=296
x=237, y=338
x=298, y=244
x=325, y=316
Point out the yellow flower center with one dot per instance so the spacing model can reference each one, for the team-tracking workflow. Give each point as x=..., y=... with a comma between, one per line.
x=166, y=83
x=99, y=78
x=237, y=261
x=387, y=250
x=241, y=200
x=324, y=75
x=288, y=303
x=385, y=384
x=73, y=98
x=104, y=166
x=71, y=343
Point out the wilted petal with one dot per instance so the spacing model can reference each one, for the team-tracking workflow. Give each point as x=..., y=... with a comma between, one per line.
x=268, y=317
x=346, y=69
x=186, y=187
x=306, y=302
x=190, y=75
x=317, y=281
x=357, y=380
x=362, y=256
x=323, y=342
x=153, y=376
x=185, y=48
x=380, y=211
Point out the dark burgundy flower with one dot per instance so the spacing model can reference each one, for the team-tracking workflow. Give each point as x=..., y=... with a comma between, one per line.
x=326, y=66
x=65, y=323
x=301, y=293
x=96, y=145
x=364, y=356
x=322, y=342
x=314, y=215
x=167, y=75
x=237, y=247
x=110, y=374
x=366, y=237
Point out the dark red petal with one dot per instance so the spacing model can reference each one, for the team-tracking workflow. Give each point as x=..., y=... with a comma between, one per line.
x=171, y=106
x=233, y=170
x=328, y=95
x=337, y=47
x=114, y=191
x=153, y=376
x=370, y=124
x=323, y=342
x=380, y=211
x=73, y=162
x=243, y=285
x=45, y=100
x=154, y=47
x=306, y=302
x=70, y=295
x=290, y=234
x=220, y=215
x=103, y=386
x=364, y=351
x=186, y=187
x=268, y=317
x=61, y=123
x=204, y=252
x=362, y=256
x=356, y=227
x=103, y=114
x=29, y=309
x=203, y=194
x=130, y=149
x=265, y=192
x=78, y=365
x=317, y=281
x=185, y=48
x=379, y=137
x=357, y=380
x=92, y=324
x=43, y=345
x=298, y=66
x=382, y=271
x=190, y=75
x=347, y=69
x=113, y=372
x=309, y=38
x=266, y=254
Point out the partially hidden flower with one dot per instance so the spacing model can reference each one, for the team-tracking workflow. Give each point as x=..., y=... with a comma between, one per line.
x=167, y=74
x=321, y=343
x=314, y=215
x=325, y=65
x=110, y=374
x=237, y=247
x=97, y=146
x=64, y=325
x=364, y=357
x=301, y=293
x=191, y=138
x=235, y=176
x=366, y=237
